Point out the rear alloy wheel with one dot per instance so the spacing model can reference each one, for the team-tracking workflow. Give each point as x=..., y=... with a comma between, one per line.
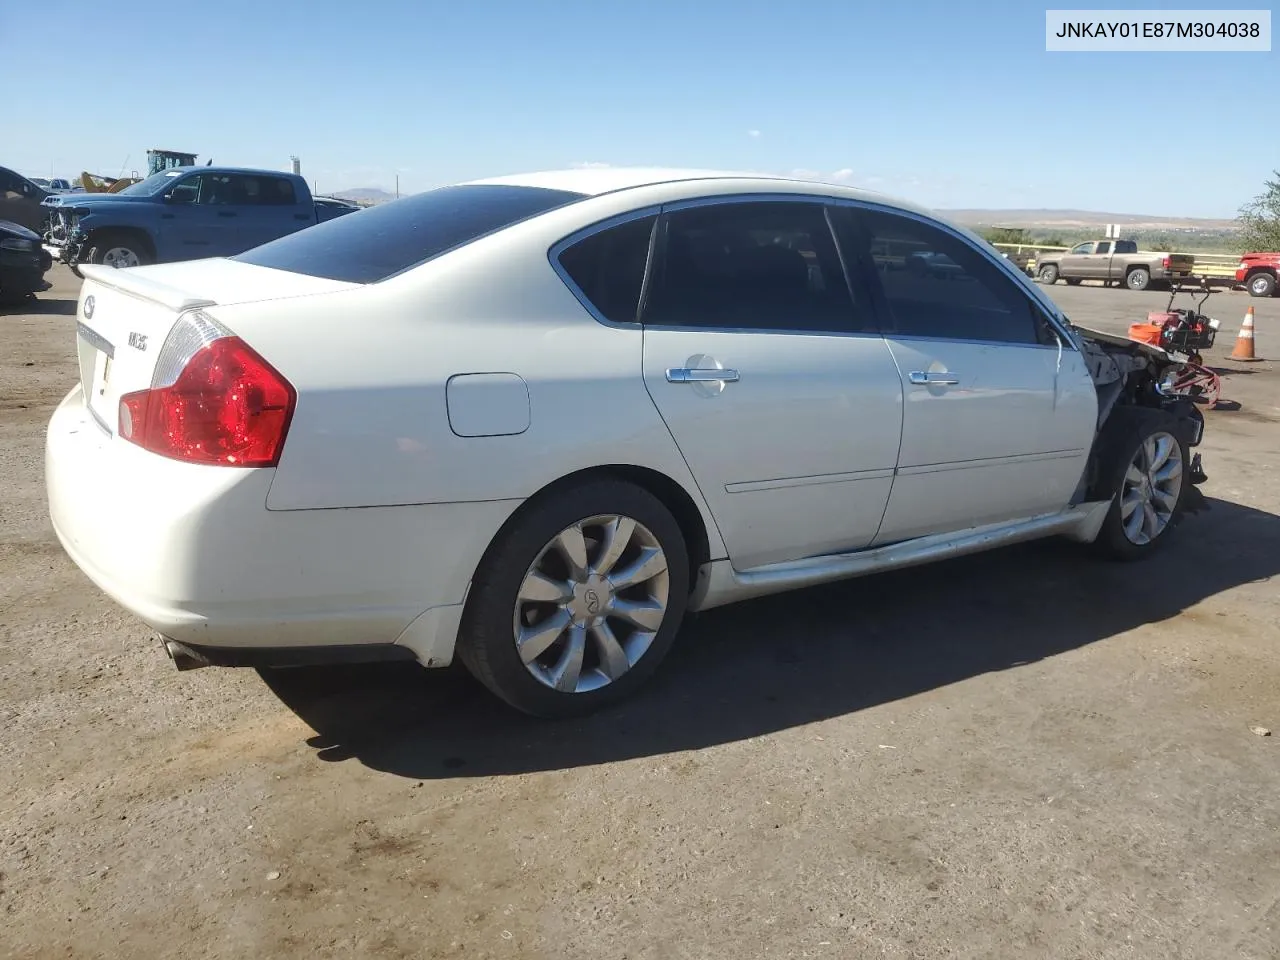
x=578, y=602
x=1139, y=278
x=1150, y=476
x=1262, y=285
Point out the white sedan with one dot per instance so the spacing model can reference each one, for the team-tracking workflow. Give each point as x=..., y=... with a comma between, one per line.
x=532, y=420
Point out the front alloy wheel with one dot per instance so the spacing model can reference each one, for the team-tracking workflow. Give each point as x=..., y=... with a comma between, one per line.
x=1143, y=459
x=1151, y=490
x=120, y=257
x=591, y=604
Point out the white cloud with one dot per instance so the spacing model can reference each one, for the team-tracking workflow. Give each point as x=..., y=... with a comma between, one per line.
x=844, y=173
x=589, y=165
x=754, y=134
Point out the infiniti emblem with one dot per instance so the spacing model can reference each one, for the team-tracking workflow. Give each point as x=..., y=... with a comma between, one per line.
x=88, y=307
x=593, y=602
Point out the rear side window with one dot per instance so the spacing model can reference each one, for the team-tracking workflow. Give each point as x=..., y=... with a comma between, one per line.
x=1126, y=246
x=379, y=242
x=747, y=265
x=262, y=191
x=608, y=267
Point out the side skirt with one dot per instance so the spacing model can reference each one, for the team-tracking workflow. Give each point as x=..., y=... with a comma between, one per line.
x=719, y=583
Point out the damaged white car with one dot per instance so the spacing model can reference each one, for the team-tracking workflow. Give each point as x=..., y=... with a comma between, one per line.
x=532, y=421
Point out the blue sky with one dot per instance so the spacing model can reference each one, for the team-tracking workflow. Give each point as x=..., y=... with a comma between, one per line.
x=949, y=104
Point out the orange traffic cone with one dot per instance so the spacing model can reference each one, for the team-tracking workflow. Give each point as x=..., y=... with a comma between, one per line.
x=1244, y=340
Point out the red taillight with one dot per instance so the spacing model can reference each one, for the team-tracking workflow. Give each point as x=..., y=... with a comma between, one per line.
x=1166, y=263
x=228, y=406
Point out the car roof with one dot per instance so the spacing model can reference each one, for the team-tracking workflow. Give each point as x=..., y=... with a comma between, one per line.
x=204, y=168
x=594, y=181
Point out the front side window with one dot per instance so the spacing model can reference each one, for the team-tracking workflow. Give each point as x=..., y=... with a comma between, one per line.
x=765, y=265
x=608, y=267
x=937, y=285
x=1082, y=248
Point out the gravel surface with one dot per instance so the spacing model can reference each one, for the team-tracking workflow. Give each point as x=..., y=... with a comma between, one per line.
x=1024, y=754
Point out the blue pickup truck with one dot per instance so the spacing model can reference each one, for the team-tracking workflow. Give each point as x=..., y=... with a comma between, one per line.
x=184, y=213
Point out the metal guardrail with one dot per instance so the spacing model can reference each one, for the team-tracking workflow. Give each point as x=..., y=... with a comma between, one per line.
x=1220, y=265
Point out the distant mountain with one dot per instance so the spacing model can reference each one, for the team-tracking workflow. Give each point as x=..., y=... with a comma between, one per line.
x=364, y=195
x=1083, y=218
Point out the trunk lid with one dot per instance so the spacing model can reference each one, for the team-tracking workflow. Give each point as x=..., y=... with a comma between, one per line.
x=124, y=316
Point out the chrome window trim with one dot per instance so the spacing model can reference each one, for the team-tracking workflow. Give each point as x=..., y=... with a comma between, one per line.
x=1040, y=299
x=1051, y=310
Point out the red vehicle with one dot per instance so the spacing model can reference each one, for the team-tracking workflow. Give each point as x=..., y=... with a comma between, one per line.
x=1260, y=273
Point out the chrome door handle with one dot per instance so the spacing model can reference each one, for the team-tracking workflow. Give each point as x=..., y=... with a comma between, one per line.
x=701, y=375
x=921, y=378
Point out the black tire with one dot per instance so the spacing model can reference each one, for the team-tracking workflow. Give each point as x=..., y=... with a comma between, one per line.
x=1124, y=435
x=1139, y=278
x=1048, y=273
x=486, y=643
x=100, y=243
x=1261, y=285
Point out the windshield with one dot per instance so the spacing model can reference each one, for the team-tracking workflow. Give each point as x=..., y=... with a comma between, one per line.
x=382, y=241
x=152, y=185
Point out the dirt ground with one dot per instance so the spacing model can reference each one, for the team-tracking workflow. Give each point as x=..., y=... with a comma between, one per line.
x=1025, y=754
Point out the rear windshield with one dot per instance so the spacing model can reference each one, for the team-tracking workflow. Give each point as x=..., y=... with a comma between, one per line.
x=381, y=241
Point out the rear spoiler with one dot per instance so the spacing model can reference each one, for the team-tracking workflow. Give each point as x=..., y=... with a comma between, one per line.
x=143, y=287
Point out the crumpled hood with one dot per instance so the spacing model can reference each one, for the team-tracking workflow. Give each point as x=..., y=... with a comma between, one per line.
x=89, y=199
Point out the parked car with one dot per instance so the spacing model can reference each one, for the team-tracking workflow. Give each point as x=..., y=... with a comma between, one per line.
x=1114, y=261
x=183, y=213
x=21, y=200
x=55, y=185
x=23, y=263
x=338, y=205
x=533, y=420
x=1260, y=273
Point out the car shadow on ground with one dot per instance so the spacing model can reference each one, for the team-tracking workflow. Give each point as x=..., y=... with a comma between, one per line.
x=39, y=305
x=792, y=659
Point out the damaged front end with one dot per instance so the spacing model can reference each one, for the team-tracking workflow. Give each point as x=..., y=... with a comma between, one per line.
x=1129, y=373
x=63, y=238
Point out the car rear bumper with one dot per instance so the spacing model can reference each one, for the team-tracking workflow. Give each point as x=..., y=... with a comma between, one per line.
x=193, y=551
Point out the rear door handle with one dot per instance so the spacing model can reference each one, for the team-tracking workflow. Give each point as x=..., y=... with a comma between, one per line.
x=922, y=378
x=701, y=375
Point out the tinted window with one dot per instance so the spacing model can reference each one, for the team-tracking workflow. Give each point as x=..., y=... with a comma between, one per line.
x=1104, y=247
x=764, y=266
x=1126, y=246
x=376, y=243
x=261, y=191
x=609, y=267
x=937, y=285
